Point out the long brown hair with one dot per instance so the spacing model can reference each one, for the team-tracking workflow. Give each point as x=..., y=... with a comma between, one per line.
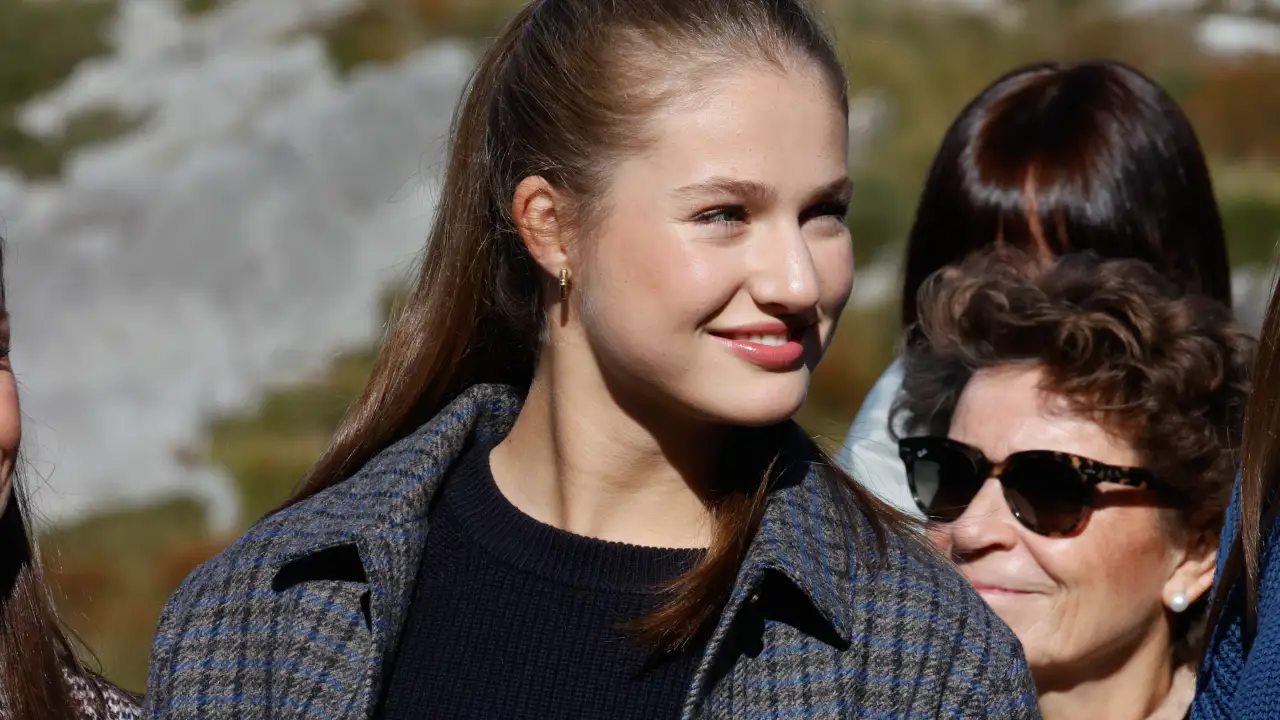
x=562, y=93
x=36, y=657
x=1259, y=476
x=1071, y=157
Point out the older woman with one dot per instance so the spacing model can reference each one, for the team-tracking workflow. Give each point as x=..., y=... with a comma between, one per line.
x=1074, y=433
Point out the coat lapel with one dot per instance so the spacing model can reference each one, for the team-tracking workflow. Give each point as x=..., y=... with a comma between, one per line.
x=802, y=539
x=381, y=511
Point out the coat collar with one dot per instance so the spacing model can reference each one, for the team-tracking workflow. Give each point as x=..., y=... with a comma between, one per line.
x=805, y=535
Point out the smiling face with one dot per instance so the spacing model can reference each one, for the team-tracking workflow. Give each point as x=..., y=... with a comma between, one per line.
x=1075, y=602
x=713, y=282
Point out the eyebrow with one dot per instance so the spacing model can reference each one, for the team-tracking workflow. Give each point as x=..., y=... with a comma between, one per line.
x=750, y=189
x=840, y=188
x=759, y=192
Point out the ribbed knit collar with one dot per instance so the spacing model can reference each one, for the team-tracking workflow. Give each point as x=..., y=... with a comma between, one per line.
x=472, y=497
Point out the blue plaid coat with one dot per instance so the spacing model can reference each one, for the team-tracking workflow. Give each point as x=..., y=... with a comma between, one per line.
x=300, y=617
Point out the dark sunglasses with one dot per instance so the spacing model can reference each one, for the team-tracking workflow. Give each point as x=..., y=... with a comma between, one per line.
x=1051, y=493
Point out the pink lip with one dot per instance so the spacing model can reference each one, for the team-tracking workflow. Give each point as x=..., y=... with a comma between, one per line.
x=769, y=357
x=1000, y=591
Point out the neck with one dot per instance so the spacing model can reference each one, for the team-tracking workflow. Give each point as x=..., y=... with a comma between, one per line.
x=1132, y=689
x=578, y=460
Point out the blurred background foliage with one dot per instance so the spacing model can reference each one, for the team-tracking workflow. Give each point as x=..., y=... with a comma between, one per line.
x=42, y=42
x=924, y=60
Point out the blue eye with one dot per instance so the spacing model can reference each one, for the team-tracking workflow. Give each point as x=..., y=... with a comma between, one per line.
x=723, y=216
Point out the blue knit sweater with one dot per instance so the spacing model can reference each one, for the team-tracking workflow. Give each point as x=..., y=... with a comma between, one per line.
x=1234, y=685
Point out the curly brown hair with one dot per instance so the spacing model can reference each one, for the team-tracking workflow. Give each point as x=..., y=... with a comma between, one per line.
x=1168, y=372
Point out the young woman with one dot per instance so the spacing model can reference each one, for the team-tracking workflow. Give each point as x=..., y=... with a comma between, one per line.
x=1075, y=431
x=572, y=487
x=40, y=676
x=1240, y=674
x=1053, y=158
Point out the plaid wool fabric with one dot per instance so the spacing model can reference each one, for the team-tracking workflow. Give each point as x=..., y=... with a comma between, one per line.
x=299, y=618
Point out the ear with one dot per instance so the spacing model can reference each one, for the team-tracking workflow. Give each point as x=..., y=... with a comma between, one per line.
x=539, y=211
x=1193, y=576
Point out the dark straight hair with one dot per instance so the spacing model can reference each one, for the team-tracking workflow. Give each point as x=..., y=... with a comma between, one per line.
x=563, y=93
x=1061, y=157
x=36, y=655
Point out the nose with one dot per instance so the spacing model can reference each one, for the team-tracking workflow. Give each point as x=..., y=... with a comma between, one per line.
x=785, y=276
x=986, y=525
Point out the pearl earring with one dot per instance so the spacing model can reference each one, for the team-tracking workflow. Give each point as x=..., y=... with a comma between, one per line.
x=1179, y=602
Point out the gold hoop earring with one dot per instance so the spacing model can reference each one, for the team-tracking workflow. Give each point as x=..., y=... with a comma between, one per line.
x=564, y=283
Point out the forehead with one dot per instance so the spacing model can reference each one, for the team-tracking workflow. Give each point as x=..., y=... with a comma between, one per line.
x=1003, y=411
x=766, y=123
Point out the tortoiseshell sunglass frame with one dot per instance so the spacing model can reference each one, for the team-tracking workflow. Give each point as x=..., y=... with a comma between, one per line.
x=1091, y=473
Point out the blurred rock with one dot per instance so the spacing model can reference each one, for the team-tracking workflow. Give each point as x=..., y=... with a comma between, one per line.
x=1234, y=35
x=240, y=238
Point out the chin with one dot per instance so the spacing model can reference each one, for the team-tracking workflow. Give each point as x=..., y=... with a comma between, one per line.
x=767, y=405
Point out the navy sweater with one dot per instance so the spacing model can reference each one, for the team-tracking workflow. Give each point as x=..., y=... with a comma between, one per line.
x=511, y=618
x=1236, y=684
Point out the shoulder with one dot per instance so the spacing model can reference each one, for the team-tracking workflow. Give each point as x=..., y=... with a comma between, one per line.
x=254, y=558
x=328, y=519
x=306, y=592
x=1238, y=671
x=231, y=624
x=94, y=695
x=901, y=633
x=391, y=489
x=915, y=639
x=920, y=604
x=874, y=411
x=870, y=452
x=911, y=573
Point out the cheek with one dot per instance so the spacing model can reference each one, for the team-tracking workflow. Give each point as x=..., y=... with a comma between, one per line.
x=10, y=425
x=1121, y=552
x=939, y=535
x=1110, y=579
x=834, y=262
x=647, y=277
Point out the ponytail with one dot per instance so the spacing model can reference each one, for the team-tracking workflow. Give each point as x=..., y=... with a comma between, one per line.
x=562, y=93
x=444, y=337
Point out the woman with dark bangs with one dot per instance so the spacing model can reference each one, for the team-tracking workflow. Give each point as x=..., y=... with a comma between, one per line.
x=1053, y=158
x=40, y=676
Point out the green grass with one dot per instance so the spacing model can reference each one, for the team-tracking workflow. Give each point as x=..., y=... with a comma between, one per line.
x=268, y=451
x=196, y=8
x=113, y=573
x=43, y=41
x=1253, y=227
x=384, y=31
x=42, y=158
